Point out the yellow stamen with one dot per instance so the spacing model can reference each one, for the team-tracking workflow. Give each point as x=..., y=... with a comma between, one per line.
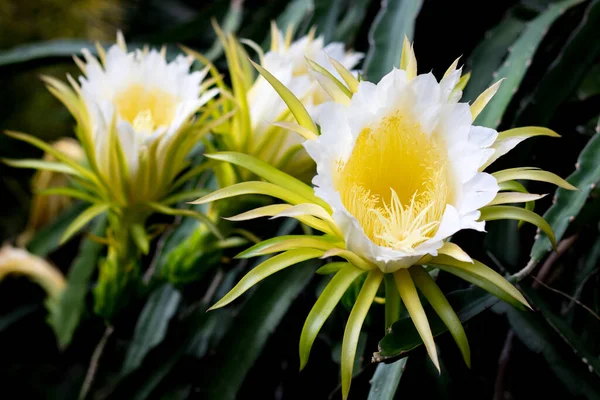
x=143, y=122
x=396, y=183
x=146, y=109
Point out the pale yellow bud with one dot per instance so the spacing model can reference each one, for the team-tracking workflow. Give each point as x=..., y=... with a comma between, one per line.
x=44, y=209
x=21, y=262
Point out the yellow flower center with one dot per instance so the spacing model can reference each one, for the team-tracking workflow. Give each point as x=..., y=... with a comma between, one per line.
x=146, y=109
x=396, y=183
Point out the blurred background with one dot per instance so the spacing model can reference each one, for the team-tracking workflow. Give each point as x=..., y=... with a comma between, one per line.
x=549, y=51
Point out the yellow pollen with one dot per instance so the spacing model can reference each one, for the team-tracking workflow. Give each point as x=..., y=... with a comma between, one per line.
x=143, y=122
x=146, y=109
x=396, y=183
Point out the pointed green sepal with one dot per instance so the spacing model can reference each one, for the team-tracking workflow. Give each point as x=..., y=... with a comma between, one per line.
x=327, y=301
x=331, y=267
x=161, y=208
x=86, y=216
x=483, y=276
x=293, y=103
x=493, y=213
x=41, y=165
x=346, y=75
x=252, y=187
x=413, y=305
x=265, y=269
x=353, y=326
x=509, y=139
x=393, y=303
x=289, y=242
x=483, y=99
x=69, y=192
x=270, y=174
x=532, y=174
x=336, y=89
x=454, y=251
x=444, y=310
x=140, y=237
x=515, y=197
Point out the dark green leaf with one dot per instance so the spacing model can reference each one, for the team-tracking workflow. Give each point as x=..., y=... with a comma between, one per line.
x=42, y=50
x=589, y=265
x=575, y=59
x=354, y=16
x=590, y=86
x=565, y=332
x=144, y=390
x=191, y=334
x=201, y=330
x=517, y=63
x=488, y=55
x=386, y=379
x=16, y=315
x=46, y=240
x=60, y=48
x=326, y=16
x=503, y=241
x=250, y=331
x=535, y=333
x=151, y=326
x=394, y=20
x=569, y=202
x=65, y=315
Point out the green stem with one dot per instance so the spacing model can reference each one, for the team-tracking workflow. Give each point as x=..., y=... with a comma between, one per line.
x=119, y=275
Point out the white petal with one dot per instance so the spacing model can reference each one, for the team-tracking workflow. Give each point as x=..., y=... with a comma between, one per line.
x=427, y=104
x=482, y=136
x=448, y=83
x=478, y=192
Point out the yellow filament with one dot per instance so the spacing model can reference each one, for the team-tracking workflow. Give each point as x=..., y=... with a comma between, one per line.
x=396, y=183
x=146, y=109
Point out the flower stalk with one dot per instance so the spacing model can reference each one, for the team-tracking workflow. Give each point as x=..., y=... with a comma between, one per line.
x=138, y=116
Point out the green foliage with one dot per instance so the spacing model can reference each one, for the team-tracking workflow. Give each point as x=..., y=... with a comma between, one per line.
x=489, y=53
x=118, y=280
x=47, y=239
x=541, y=336
x=518, y=61
x=394, y=20
x=386, y=379
x=568, y=204
x=65, y=316
x=241, y=346
x=151, y=327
